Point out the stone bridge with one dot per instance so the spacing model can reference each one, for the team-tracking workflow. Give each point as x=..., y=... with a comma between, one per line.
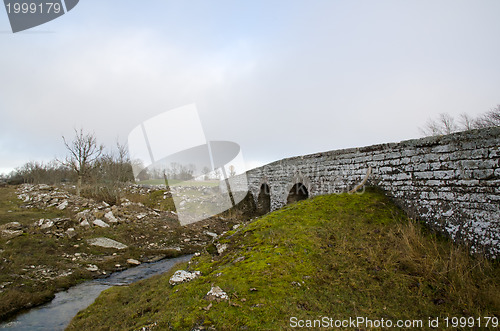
x=451, y=182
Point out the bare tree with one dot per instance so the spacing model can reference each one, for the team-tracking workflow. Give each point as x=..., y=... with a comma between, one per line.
x=445, y=124
x=205, y=171
x=494, y=116
x=39, y=172
x=489, y=119
x=125, y=166
x=467, y=122
x=113, y=167
x=84, y=152
x=218, y=174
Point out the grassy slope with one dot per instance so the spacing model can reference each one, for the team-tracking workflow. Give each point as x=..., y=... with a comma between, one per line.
x=339, y=256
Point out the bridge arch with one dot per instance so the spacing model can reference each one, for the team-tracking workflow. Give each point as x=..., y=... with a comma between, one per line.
x=264, y=199
x=298, y=189
x=298, y=192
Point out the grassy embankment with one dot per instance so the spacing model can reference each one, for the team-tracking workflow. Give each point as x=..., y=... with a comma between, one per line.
x=35, y=265
x=338, y=256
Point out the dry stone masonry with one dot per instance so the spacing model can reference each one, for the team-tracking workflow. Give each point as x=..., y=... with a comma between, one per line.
x=451, y=182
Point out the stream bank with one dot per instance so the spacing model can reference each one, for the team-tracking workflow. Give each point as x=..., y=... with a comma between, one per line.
x=57, y=314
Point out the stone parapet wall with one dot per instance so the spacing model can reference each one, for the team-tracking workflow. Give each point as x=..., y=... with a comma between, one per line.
x=450, y=182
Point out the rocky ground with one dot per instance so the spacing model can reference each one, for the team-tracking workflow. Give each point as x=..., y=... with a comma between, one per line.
x=51, y=239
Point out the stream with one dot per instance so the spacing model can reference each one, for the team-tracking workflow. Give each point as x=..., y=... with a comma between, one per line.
x=56, y=314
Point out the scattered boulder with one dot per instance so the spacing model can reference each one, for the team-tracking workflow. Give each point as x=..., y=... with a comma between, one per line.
x=216, y=294
x=12, y=226
x=10, y=234
x=84, y=223
x=92, y=267
x=44, y=223
x=182, y=276
x=106, y=243
x=63, y=205
x=133, y=262
x=100, y=223
x=211, y=234
x=221, y=248
x=83, y=215
x=71, y=232
x=110, y=217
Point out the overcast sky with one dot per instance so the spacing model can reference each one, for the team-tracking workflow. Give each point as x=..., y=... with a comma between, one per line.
x=280, y=78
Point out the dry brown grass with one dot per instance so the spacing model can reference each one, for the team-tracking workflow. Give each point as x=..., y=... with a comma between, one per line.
x=471, y=281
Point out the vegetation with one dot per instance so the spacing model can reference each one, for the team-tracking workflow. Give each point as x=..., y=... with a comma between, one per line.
x=446, y=124
x=17, y=256
x=37, y=264
x=97, y=173
x=338, y=256
x=83, y=155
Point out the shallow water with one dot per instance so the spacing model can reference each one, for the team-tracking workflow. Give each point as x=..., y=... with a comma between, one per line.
x=57, y=314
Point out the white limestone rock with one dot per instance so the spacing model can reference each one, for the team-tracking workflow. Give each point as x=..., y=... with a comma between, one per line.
x=44, y=223
x=211, y=234
x=106, y=243
x=10, y=234
x=133, y=262
x=13, y=226
x=182, y=276
x=100, y=223
x=70, y=232
x=216, y=294
x=92, y=267
x=84, y=223
x=63, y=205
x=221, y=248
x=110, y=217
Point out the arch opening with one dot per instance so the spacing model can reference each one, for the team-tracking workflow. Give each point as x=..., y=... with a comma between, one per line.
x=264, y=200
x=297, y=193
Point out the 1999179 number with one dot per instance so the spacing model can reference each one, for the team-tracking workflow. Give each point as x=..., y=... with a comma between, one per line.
x=471, y=322
x=33, y=8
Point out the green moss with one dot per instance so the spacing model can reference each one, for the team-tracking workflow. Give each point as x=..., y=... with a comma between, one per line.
x=339, y=256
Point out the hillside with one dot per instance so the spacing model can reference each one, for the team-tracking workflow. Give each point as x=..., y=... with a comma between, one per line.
x=337, y=256
x=51, y=239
